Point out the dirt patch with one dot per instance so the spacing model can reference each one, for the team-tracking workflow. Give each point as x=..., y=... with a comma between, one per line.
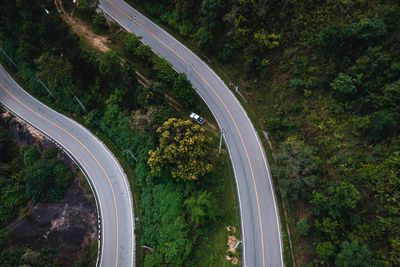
x=82, y=29
x=232, y=241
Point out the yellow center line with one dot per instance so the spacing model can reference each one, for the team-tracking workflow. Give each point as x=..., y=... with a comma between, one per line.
x=226, y=108
x=101, y=167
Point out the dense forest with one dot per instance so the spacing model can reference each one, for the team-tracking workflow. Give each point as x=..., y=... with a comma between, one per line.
x=185, y=193
x=322, y=77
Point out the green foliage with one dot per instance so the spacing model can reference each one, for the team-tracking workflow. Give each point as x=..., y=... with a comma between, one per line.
x=49, y=153
x=184, y=90
x=210, y=11
x=165, y=228
x=109, y=64
x=202, y=208
x=143, y=52
x=339, y=200
x=131, y=42
x=46, y=181
x=354, y=255
x=266, y=41
x=303, y=227
x=252, y=59
x=53, y=69
x=204, y=39
x=326, y=251
x=226, y=52
x=23, y=256
x=31, y=156
x=4, y=236
x=183, y=149
x=384, y=123
x=152, y=94
x=296, y=170
x=99, y=21
x=164, y=69
x=344, y=86
x=395, y=252
x=7, y=147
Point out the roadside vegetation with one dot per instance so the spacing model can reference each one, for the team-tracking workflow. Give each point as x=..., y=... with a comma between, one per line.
x=184, y=191
x=322, y=77
x=26, y=175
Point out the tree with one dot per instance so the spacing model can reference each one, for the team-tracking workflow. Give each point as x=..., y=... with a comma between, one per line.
x=143, y=52
x=383, y=124
x=354, y=255
x=47, y=180
x=4, y=236
x=49, y=153
x=338, y=201
x=226, y=52
x=266, y=41
x=131, y=42
x=31, y=155
x=109, y=64
x=326, y=251
x=252, y=59
x=39, y=180
x=53, y=69
x=164, y=69
x=165, y=227
x=202, y=208
x=303, y=227
x=210, y=10
x=7, y=147
x=344, y=86
x=184, y=90
x=183, y=149
x=99, y=21
x=296, y=170
x=204, y=39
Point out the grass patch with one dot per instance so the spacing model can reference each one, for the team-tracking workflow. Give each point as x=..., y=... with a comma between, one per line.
x=211, y=249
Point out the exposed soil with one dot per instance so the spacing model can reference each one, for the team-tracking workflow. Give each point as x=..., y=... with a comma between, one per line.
x=232, y=241
x=82, y=29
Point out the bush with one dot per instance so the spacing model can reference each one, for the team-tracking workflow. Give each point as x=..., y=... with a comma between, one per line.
x=131, y=42
x=184, y=90
x=46, y=181
x=303, y=227
x=49, y=153
x=384, y=124
x=226, y=52
x=31, y=155
x=204, y=39
x=7, y=147
x=296, y=170
x=99, y=21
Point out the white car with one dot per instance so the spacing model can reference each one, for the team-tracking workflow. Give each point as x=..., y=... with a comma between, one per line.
x=197, y=118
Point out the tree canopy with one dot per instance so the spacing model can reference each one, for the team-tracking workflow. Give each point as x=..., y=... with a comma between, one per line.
x=183, y=148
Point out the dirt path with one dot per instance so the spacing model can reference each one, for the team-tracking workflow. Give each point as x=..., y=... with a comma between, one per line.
x=82, y=29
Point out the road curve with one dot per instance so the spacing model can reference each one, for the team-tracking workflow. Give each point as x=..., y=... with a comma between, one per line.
x=259, y=216
x=110, y=185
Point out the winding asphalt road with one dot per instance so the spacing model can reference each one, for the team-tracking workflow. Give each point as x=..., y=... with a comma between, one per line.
x=259, y=216
x=109, y=183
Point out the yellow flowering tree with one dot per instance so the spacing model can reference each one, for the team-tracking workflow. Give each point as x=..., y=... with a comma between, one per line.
x=183, y=148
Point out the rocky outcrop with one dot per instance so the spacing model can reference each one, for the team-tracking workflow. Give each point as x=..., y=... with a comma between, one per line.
x=68, y=225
